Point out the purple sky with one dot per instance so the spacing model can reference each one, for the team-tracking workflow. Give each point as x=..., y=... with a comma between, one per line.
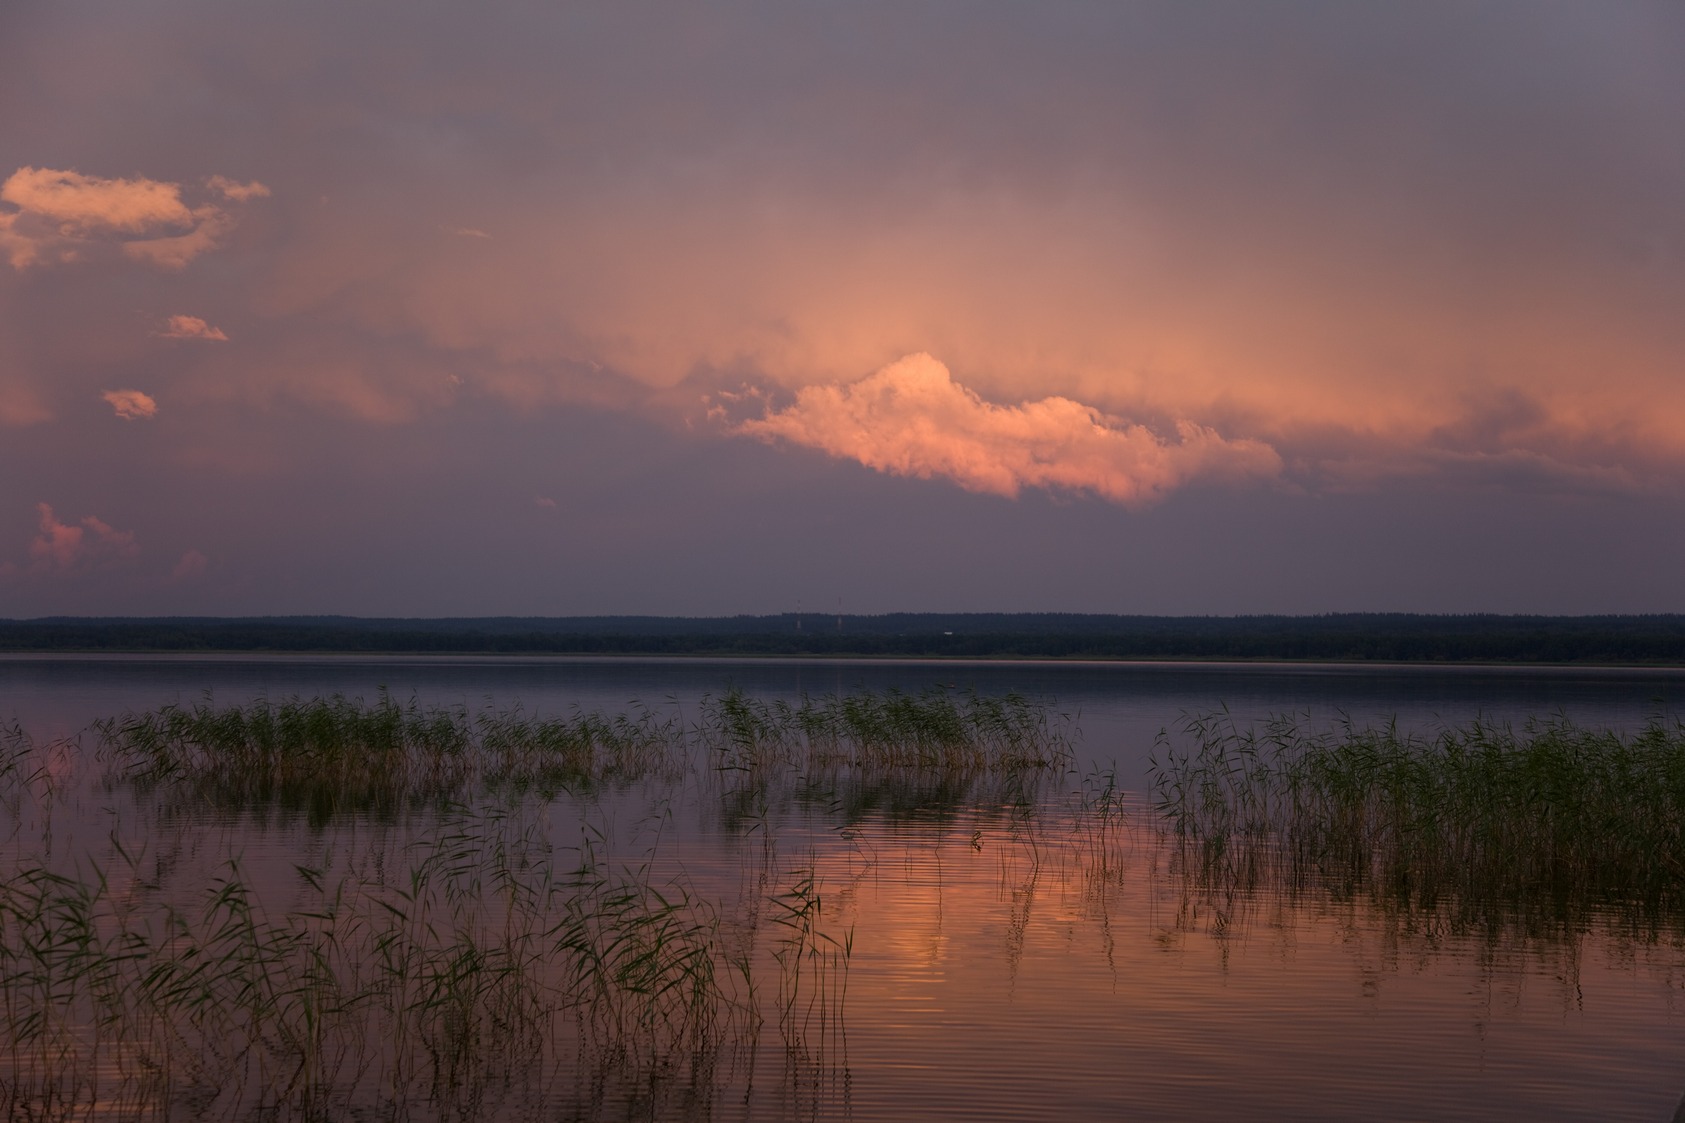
x=535, y=308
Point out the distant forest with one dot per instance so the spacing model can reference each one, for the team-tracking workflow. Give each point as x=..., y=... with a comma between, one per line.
x=1381, y=637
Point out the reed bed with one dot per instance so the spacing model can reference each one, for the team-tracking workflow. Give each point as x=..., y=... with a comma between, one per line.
x=471, y=978
x=935, y=730
x=341, y=754
x=1546, y=827
x=480, y=966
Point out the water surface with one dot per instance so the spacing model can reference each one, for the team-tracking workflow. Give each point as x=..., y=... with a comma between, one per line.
x=1005, y=961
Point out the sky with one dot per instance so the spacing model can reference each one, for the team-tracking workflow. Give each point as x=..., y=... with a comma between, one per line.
x=434, y=309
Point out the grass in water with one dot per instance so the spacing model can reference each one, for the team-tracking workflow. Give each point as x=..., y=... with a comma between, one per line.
x=1546, y=827
x=472, y=971
x=329, y=755
x=456, y=985
x=937, y=730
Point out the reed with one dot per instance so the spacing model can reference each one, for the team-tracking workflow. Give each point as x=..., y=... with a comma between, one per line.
x=481, y=966
x=936, y=730
x=1548, y=826
x=336, y=754
x=472, y=974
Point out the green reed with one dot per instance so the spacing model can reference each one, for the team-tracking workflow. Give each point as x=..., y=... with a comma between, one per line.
x=1545, y=826
x=472, y=972
x=936, y=730
x=338, y=754
x=478, y=966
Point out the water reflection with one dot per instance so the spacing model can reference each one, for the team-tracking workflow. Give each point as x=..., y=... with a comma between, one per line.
x=816, y=937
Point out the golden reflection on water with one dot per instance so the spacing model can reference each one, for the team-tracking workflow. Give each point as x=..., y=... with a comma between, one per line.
x=994, y=977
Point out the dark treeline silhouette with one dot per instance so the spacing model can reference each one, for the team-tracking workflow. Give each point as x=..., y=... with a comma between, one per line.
x=1385, y=637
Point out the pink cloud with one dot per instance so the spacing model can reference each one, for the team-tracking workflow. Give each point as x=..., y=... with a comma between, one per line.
x=131, y=405
x=82, y=203
x=60, y=212
x=239, y=192
x=912, y=419
x=176, y=251
x=191, y=327
x=62, y=546
x=19, y=250
x=192, y=564
x=544, y=502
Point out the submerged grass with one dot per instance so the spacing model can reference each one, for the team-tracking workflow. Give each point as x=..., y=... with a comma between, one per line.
x=339, y=753
x=463, y=982
x=1545, y=827
x=936, y=730
x=481, y=966
x=342, y=754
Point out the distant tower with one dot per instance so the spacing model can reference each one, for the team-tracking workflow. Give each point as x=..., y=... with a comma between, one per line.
x=798, y=614
x=839, y=615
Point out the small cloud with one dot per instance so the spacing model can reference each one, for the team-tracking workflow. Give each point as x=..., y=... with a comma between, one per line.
x=131, y=405
x=239, y=192
x=545, y=502
x=470, y=232
x=59, y=213
x=192, y=564
x=190, y=327
x=912, y=419
x=62, y=546
x=82, y=204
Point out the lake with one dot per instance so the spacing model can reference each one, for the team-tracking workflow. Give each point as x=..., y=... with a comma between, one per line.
x=847, y=943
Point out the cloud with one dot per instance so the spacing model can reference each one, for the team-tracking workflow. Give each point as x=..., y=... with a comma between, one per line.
x=176, y=251
x=471, y=232
x=190, y=327
x=81, y=204
x=912, y=419
x=60, y=213
x=19, y=250
x=131, y=405
x=192, y=564
x=544, y=502
x=61, y=546
x=239, y=192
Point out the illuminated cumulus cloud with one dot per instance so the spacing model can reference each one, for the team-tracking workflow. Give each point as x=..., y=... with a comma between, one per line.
x=131, y=405
x=58, y=215
x=62, y=546
x=912, y=419
x=191, y=327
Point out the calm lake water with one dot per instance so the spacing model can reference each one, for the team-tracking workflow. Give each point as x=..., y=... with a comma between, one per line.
x=1006, y=958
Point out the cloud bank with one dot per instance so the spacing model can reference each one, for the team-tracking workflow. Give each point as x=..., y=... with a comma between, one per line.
x=912, y=419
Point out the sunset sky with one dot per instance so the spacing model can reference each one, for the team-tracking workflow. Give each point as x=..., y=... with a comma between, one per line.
x=538, y=308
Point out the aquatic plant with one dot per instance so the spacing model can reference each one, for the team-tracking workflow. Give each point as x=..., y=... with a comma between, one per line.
x=336, y=754
x=1486, y=824
x=937, y=730
x=479, y=970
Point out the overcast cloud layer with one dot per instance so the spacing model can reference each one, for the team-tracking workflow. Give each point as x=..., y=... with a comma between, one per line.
x=537, y=308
